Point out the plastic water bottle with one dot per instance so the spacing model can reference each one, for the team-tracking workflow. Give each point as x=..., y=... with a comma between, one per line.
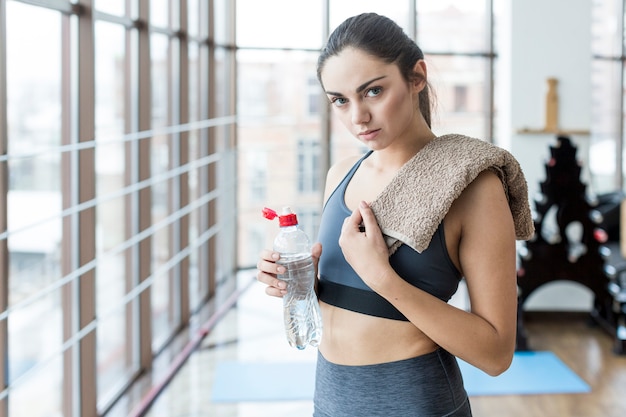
x=301, y=310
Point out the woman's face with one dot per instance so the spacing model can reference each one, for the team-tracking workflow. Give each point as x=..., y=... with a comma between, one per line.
x=371, y=98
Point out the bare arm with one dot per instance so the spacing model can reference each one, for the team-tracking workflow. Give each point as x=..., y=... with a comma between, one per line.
x=484, y=336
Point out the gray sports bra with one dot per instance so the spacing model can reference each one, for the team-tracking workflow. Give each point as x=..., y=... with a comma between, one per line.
x=432, y=270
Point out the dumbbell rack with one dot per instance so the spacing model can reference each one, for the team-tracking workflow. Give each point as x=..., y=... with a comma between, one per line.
x=568, y=245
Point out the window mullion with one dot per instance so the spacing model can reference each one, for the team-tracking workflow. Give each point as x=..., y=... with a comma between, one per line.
x=85, y=234
x=4, y=188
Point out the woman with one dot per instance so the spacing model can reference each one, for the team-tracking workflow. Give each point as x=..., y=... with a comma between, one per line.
x=390, y=338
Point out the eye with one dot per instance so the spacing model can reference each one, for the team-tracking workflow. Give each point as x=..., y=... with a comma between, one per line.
x=338, y=101
x=374, y=91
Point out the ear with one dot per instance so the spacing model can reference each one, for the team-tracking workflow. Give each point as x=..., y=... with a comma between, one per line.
x=421, y=73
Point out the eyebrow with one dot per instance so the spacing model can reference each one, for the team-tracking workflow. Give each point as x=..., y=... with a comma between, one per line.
x=359, y=88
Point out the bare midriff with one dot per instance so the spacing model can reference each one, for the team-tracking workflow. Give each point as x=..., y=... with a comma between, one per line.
x=351, y=338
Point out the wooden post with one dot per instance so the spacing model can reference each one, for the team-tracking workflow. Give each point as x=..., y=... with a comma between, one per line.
x=552, y=106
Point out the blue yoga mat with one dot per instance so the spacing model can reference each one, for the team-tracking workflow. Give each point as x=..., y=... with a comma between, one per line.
x=530, y=373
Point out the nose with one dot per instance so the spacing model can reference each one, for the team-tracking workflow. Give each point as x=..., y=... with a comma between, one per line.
x=360, y=114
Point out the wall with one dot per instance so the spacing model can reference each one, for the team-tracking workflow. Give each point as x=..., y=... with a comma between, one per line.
x=534, y=47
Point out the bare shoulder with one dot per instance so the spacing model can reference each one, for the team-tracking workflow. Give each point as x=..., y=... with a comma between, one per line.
x=483, y=202
x=337, y=172
x=487, y=185
x=484, y=193
x=480, y=222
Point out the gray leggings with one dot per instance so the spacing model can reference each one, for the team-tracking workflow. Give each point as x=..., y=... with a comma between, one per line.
x=430, y=385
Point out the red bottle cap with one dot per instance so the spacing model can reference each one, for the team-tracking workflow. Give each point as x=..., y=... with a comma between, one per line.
x=288, y=218
x=269, y=214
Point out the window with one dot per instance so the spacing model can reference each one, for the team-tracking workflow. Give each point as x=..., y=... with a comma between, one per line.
x=35, y=108
x=308, y=166
x=257, y=176
x=108, y=230
x=281, y=111
x=460, y=98
x=314, y=90
x=607, y=77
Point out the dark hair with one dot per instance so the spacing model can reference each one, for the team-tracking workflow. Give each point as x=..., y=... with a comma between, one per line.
x=379, y=37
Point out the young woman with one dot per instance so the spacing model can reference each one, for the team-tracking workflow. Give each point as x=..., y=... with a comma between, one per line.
x=390, y=337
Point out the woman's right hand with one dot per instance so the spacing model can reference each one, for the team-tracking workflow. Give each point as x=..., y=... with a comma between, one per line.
x=268, y=269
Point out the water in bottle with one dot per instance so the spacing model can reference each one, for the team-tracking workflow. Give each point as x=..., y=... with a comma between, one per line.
x=303, y=324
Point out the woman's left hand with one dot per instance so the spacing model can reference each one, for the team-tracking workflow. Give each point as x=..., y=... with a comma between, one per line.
x=365, y=251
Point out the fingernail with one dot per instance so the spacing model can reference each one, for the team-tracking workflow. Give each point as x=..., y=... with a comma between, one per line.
x=275, y=256
x=282, y=285
x=364, y=204
x=281, y=270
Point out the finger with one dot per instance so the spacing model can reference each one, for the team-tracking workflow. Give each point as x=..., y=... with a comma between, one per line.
x=270, y=267
x=316, y=253
x=267, y=273
x=369, y=220
x=275, y=292
x=353, y=222
x=316, y=250
x=271, y=280
x=267, y=262
x=356, y=218
x=269, y=255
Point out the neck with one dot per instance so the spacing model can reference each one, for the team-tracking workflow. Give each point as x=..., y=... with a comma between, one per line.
x=393, y=158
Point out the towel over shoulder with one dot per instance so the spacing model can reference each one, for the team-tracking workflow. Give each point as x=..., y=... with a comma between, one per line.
x=414, y=203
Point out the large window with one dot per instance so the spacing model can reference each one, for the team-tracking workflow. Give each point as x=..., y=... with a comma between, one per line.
x=284, y=122
x=115, y=135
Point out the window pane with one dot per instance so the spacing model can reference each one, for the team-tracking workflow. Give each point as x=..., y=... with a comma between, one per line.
x=45, y=384
x=194, y=82
x=163, y=313
x=308, y=166
x=606, y=39
x=274, y=117
x=452, y=25
x=193, y=17
x=605, y=113
x=607, y=94
x=456, y=112
x=196, y=290
x=114, y=7
x=159, y=13
x=279, y=23
x=34, y=206
x=398, y=10
x=112, y=352
x=223, y=75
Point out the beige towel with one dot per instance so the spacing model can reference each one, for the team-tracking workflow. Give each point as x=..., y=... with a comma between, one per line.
x=414, y=203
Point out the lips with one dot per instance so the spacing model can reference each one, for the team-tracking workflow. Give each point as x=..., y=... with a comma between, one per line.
x=369, y=134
